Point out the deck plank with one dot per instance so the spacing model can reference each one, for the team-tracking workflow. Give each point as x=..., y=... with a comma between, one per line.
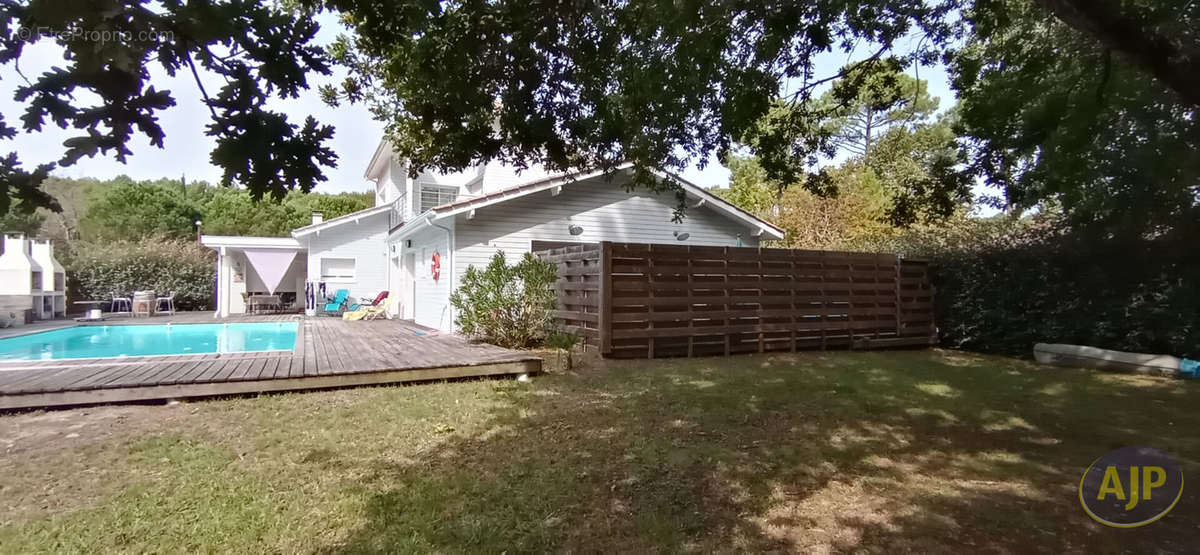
x=328, y=351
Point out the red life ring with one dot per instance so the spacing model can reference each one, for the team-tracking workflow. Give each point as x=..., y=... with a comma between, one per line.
x=436, y=267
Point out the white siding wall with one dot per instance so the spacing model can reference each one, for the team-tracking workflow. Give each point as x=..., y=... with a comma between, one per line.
x=604, y=210
x=452, y=178
x=432, y=297
x=365, y=242
x=382, y=184
x=499, y=176
x=391, y=183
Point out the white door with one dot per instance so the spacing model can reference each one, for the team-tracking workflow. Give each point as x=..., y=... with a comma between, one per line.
x=395, y=284
x=409, y=287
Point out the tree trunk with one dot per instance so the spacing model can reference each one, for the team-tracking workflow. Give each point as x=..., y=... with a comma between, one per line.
x=775, y=210
x=1173, y=60
x=867, y=133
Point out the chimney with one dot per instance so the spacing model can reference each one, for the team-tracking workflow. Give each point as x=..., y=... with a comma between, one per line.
x=19, y=273
x=317, y=218
x=53, y=275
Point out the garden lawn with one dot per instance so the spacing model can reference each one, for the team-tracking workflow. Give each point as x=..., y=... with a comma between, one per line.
x=920, y=451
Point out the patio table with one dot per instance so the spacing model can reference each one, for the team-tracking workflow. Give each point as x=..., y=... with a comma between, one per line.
x=143, y=303
x=94, y=313
x=263, y=303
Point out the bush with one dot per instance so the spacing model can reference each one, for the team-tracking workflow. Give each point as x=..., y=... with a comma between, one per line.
x=97, y=270
x=506, y=305
x=1003, y=286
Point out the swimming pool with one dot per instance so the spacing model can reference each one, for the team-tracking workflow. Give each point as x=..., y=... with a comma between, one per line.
x=149, y=340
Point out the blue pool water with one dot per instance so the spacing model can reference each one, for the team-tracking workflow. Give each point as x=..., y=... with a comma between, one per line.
x=150, y=340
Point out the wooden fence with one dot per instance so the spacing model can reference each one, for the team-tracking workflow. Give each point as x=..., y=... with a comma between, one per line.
x=643, y=301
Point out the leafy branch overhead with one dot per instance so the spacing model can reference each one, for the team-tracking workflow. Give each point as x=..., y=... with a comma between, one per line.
x=585, y=84
x=1076, y=102
x=110, y=48
x=670, y=84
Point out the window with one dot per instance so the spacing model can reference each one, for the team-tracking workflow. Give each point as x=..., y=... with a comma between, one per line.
x=337, y=269
x=436, y=195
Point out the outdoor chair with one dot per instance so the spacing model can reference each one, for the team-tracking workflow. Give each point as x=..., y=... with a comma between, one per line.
x=372, y=312
x=380, y=311
x=363, y=302
x=260, y=303
x=165, y=305
x=334, y=306
x=121, y=304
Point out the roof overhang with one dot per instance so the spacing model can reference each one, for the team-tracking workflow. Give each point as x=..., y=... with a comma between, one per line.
x=517, y=191
x=413, y=225
x=379, y=160
x=709, y=200
x=352, y=217
x=723, y=206
x=217, y=242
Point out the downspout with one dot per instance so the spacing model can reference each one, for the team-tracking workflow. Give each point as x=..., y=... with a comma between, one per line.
x=450, y=261
x=222, y=292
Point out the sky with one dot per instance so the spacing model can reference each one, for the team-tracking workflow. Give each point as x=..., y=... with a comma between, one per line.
x=186, y=147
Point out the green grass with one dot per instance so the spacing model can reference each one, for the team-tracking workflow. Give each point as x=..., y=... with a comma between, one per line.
x=880, y=452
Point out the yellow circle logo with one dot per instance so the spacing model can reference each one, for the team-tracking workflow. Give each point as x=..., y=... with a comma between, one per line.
x=1131, y=487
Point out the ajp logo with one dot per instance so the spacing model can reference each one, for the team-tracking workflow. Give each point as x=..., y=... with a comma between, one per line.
x=1130, y=487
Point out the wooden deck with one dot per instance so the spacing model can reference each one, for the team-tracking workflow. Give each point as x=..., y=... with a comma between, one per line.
x=329, y=353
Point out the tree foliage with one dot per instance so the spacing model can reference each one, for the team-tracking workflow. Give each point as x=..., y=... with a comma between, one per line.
x=857, y=214
x=124, y=209
x=235, y=212
x=667, y=84
x=870, y=194
x=869, y=101
x=1090, y=96
x=1162, y=39
x=20, y=219
x=587, y=84
x=260, y=50
x=1051, y=114
x=135, y=210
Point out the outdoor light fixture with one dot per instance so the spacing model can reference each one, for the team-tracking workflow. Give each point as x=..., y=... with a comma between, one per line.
x=681, y=236
x=408, y=243
x=574, y=229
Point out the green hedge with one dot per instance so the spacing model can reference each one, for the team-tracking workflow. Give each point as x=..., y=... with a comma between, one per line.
x=1036, y=285
x=96, y=270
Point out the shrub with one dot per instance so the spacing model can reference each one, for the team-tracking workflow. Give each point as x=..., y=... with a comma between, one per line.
x=1003, y=286
x=565, y=342
x=506, y=305
x=97, y=270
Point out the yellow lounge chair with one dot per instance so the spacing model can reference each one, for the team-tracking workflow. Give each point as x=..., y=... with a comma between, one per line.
x=369, y=312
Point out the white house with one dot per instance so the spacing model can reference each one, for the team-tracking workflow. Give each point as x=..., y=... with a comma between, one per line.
x=447, y=222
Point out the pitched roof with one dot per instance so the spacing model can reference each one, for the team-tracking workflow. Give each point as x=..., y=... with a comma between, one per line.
x=334, y=222
x=718, y=204
x=215, y=242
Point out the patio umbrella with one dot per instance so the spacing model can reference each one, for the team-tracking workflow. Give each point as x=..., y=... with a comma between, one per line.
x=270, y=264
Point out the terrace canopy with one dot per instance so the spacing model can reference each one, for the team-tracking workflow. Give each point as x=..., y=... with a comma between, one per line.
x=256, y=265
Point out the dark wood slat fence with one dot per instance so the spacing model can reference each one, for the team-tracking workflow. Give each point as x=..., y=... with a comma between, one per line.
x=633, y=300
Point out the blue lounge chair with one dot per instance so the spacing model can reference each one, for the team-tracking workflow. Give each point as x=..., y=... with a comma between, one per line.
x=339, y=299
